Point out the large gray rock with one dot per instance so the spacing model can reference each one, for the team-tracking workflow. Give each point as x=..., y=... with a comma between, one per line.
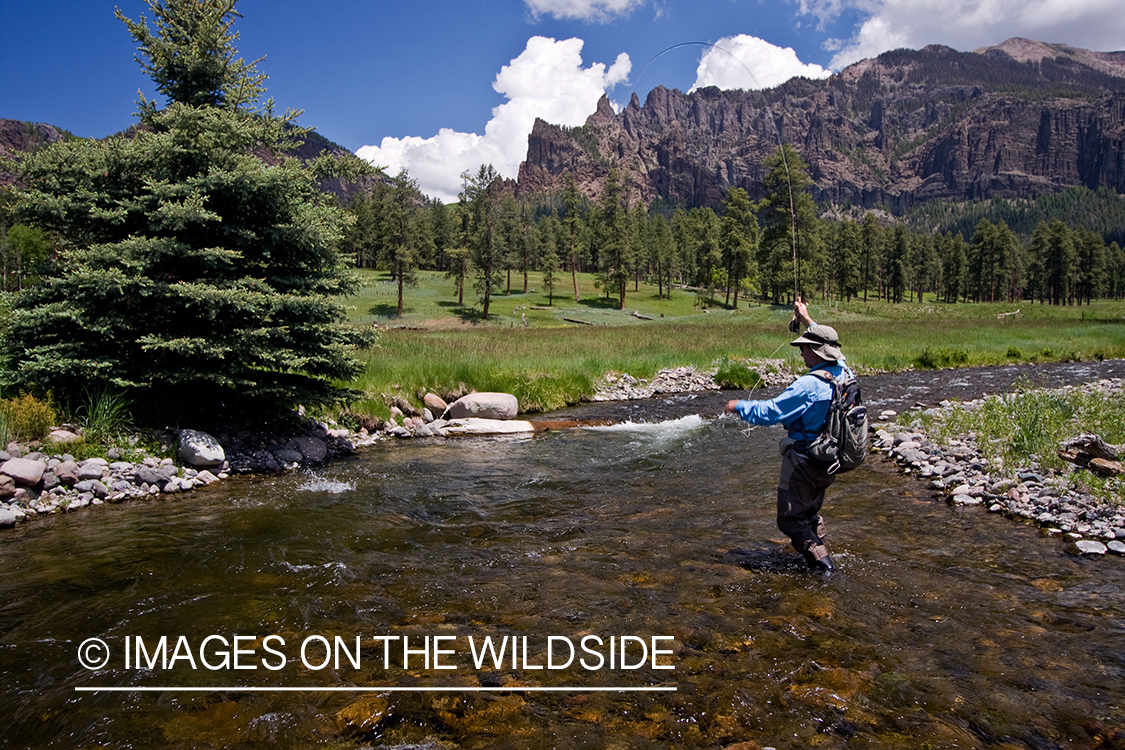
x=25, y=471
x=200, y=449
x=483, y=406
x=312, y=448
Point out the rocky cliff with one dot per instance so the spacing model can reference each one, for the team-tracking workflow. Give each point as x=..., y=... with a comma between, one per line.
x=908, y=126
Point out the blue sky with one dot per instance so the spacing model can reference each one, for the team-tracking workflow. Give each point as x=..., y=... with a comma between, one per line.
x=441, y=86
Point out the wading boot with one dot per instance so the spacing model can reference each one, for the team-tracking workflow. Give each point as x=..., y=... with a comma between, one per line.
x=818, y=559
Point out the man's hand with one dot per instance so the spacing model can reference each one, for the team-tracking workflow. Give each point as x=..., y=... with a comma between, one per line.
x=731, y=406
x=801, y=311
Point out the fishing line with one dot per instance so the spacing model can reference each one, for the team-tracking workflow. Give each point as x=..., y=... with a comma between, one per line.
x=777, y=137
x=780, y=147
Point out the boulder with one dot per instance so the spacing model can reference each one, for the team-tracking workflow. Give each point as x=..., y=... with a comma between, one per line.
x=24, y=471
x=288, y=456
x=483, y=406
x=435, y=403
x=91, y=469
x=313, y=449
x=64, y=436
x=67, y=472
x=200, y=449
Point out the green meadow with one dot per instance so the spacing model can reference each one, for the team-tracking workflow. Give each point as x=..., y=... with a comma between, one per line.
x=534, y=350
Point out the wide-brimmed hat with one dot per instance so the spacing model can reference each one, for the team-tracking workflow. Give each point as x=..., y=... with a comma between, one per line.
x=823, y=340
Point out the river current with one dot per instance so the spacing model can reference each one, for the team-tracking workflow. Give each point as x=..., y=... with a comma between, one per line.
x=634, y=566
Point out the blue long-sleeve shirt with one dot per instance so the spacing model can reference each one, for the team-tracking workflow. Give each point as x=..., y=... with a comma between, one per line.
x=801, y=408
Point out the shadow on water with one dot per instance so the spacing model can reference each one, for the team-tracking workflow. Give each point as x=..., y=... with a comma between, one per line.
x=945, y=627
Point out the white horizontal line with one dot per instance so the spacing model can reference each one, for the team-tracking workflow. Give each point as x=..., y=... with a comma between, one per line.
x=245, y=689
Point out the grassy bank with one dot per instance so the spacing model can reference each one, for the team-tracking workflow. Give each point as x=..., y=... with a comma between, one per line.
x=530, y=349
x=1028, y=425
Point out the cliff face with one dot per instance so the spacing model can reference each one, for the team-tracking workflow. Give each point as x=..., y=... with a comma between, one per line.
x=18, y=137
x=907, y=126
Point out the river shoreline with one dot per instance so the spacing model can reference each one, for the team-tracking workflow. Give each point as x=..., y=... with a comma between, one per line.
x=954, y=471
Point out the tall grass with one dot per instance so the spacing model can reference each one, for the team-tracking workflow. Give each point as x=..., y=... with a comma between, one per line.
x=104, y=414
x=1029, y=425
x=532, y=350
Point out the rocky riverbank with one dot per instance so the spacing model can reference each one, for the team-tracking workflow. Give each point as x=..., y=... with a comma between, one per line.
x=957, y=470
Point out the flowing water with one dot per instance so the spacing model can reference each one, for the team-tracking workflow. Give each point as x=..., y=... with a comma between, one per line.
x=945, y=627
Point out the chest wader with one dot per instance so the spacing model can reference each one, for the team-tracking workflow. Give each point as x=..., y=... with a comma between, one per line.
x=800, y=495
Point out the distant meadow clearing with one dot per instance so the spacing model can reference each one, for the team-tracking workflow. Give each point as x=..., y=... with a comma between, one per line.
x=530, y=349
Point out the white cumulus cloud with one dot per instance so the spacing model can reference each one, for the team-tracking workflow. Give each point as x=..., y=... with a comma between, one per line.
x=969, y=24
x=547, y=80
x=747, y=62
x=582, y=10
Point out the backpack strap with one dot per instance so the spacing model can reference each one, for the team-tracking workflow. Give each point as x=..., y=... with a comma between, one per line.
x=824, y=375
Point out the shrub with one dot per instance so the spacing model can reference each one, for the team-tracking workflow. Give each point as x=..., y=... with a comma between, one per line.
x=733, y=375
x=1014, y=353
x=27, y=417
x=935, y=358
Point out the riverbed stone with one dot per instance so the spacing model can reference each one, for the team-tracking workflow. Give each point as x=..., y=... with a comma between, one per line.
x=8, y=518
x=1117, y=548
x=1090, y=547
x=313, y=449
x=25, y=472
x=484, y=405
x=435, y=403
x=288, y=456
x=200, y=449
x=90, y=470
x=94, y=486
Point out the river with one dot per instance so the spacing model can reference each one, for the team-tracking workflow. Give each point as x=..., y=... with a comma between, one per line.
x=644, y=550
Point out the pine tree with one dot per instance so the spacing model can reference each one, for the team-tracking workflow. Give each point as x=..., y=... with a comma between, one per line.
x=481, y=201
x=572, y=203
x=616, y=252
x=739, y=240
x=791, y=238
x=198, y=267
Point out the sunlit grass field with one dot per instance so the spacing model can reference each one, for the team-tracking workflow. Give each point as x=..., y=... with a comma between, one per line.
x=531, y=349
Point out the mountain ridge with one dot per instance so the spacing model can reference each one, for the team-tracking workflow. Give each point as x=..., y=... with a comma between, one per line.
x=1013, y=120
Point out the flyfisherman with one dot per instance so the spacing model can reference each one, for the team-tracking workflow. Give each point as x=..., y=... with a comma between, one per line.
x=803, y=409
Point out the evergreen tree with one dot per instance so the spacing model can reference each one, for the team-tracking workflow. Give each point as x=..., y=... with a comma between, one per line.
x=663, y=254
x=739, y=240
x=481, y=199
x=791, y=238
x=1093, y=273
x=847, y=252
x=195, y=274
x=1055, y=246
x=898, y=259
x=615, y=249
x=954, y=261
x=548, y=255
x=572, y=218
x=401, y=234
x=708, y=254
x=872, y=236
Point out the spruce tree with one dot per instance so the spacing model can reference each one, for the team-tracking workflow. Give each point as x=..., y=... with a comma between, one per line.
x=198, y=266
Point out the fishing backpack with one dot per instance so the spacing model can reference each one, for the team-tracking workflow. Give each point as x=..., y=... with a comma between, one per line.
x=842, y=443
